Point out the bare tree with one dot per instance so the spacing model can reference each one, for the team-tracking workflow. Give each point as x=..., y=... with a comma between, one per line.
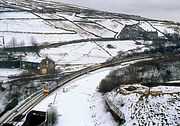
x=52, y=115
x=13, y=42
x=22, y=43
x=33, y=41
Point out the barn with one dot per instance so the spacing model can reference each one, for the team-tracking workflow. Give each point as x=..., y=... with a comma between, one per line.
x=131, y=32
x=136, y=32
x=37, y=64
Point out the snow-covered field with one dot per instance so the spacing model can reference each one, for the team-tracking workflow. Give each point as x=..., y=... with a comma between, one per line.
x=57, y=27
x=165, y=28
x=87, y=52
x=79, y=103
x=8, y=72
x=19, y=15
x=4, y=73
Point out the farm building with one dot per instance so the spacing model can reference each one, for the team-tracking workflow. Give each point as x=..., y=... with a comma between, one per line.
x=131, y=32
x=8, y=61
x=38, y=64
x=136, y=32
x=150, y=35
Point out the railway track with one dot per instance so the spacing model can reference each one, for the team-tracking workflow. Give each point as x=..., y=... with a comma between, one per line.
x=22, y=108
x=20, y=111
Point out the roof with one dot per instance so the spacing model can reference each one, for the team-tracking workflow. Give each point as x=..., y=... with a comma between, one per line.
x=33, y=59
x=133, y=27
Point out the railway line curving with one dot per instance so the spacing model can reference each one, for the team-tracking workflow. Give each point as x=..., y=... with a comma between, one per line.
x=22, y=109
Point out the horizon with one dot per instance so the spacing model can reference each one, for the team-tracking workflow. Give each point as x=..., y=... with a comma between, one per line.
x=155, y=9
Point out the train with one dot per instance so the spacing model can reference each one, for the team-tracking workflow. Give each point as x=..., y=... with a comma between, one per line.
x=45, y=91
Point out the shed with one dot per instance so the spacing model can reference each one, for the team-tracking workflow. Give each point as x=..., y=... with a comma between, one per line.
x=38, y=64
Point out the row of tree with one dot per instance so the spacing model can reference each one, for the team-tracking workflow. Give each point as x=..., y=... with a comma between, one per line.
x=145, y=72
x=14, y=43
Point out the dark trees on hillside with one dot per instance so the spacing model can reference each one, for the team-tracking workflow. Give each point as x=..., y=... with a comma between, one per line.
x=148, y=73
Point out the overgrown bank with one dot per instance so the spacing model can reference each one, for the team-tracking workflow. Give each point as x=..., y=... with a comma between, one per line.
x=151, y=73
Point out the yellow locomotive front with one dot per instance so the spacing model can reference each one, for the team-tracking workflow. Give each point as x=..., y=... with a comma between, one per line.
x=45, y=91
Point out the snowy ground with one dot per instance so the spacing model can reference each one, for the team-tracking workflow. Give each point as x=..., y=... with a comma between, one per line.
x=4, y=73
x=88, y=105
x=160, y=108
x=80, y=104
x=87, y=53
x=23, y=26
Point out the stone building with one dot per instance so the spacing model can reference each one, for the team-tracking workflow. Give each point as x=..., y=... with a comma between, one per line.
x=131, y=32
x=134, y=32
x=38, y=64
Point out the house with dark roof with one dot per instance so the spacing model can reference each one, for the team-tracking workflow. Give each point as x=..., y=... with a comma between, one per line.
x=38, y=64
x=134, y=32
x=131, y=32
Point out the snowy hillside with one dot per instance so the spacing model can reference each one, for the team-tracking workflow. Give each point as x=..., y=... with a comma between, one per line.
x=79, y=104
x=159, y=108
x=45, y=23
x=87, y=53
x=67, y=22
x=76, y=37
